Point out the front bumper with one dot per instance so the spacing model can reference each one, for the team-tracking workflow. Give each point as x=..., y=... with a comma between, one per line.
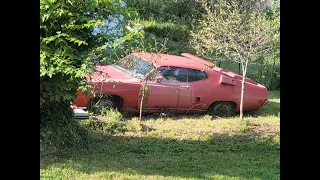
x=80, y=113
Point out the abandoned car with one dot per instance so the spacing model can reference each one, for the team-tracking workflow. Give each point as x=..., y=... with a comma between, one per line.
x=184, y=83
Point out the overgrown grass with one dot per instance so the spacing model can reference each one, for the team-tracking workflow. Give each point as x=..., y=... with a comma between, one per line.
x=173, y=31
x=176, y=147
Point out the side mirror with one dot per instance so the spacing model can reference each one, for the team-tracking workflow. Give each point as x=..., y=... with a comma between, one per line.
x=159, y=79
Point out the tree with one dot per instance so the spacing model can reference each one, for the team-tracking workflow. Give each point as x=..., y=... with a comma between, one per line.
x=68, y=43
x=73, y=33
x=236, y=30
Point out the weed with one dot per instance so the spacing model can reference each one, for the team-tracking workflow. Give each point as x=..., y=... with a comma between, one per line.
x=172, y=133
x=277, y=140
x=208, y=138
x=134, y=125
x=244, y=128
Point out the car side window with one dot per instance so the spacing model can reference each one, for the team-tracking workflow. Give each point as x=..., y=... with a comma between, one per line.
x=174, y=74
x=192, y=76
x=196, y=75
x=181, y=74
x=201, y=75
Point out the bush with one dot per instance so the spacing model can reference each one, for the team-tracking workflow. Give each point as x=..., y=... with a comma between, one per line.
x=184, y=11
x=134, y=125
x=173, y=31
x=68, y=50
x=58, y=127
x=110, y=121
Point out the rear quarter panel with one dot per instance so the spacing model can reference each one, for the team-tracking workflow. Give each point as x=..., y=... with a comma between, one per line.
x=254, y=95
x=211, y=90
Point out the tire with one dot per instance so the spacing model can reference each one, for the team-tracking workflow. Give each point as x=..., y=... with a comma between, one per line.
x=222, y=109
x=98, y=104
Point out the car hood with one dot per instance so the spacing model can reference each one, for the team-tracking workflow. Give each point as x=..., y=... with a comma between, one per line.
x=110, y=73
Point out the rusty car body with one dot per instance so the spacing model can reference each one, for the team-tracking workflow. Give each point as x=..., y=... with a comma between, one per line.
x=184, y=83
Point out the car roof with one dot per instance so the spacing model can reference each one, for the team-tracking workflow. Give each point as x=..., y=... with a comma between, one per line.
x=186, y=61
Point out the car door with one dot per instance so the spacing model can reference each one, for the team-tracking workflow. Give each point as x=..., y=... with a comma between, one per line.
x=170, y=93
x=194, y=91
x=184, y=101
x=159, y=95
x=201, y=89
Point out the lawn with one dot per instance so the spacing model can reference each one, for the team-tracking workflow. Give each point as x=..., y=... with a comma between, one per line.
x=177, y=147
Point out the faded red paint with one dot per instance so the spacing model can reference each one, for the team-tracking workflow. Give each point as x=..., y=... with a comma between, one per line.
x=221, y=85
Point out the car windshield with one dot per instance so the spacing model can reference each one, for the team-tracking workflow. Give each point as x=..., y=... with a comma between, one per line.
x=134, y=66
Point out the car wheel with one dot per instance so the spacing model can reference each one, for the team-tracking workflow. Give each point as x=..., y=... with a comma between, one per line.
x=222, y=109
x=99, y=104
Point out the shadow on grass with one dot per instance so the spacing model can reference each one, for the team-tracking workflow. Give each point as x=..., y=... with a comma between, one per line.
x=270, y=109
x=243, y=156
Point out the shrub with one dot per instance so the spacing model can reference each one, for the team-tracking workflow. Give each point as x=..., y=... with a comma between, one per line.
x=58, y=127
x=134, y=125
x=69, y=47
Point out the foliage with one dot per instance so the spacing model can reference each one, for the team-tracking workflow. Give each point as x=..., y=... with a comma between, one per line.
x=235, y=32
x=112, y=114
x=109, y=127
x=73, y=34
x=112, y=122
x=238, y=31
x=68, y=43
x=181, y=11
x=173, y=31
x=147, y=42
x=165, y=20
x=58, y=128
x=134, y=125
x=208, y=138
x=244, y=128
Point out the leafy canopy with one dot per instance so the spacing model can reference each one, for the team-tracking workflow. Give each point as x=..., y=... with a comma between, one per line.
x=73, y=33
x=236, y=30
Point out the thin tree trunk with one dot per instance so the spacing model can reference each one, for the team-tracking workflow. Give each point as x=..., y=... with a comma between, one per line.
x=141, y=103
x=242, y=95
x=244, y=71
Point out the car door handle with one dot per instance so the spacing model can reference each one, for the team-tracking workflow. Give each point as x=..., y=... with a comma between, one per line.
x=185, y=87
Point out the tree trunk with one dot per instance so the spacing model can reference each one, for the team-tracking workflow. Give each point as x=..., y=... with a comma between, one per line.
x=141, y=103
x=244, y=72
x=242, y=95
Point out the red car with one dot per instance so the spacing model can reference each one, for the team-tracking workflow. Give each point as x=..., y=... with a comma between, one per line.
x=184, y=83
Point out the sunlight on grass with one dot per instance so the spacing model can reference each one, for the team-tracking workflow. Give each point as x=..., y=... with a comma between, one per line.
x=132, y=175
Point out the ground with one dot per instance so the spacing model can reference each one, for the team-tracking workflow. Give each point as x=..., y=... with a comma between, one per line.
x=177, y=147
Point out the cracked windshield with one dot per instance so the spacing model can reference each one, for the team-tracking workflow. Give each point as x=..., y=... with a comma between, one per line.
x=134, y=66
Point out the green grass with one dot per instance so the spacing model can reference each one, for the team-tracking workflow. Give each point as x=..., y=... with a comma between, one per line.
x=174, y=31
x=178, y=147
